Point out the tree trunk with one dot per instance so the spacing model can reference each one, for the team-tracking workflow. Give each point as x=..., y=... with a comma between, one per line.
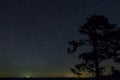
x=97, y=69
x=96, y=56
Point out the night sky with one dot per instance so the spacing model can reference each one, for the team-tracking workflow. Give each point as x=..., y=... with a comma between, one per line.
x=34, y=34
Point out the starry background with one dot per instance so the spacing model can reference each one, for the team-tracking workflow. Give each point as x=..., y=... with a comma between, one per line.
x=34, y=34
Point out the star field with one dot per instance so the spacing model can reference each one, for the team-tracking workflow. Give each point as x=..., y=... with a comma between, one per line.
x=34, y=34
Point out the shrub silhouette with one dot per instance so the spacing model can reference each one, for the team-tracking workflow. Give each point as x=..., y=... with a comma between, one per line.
x=104, y=39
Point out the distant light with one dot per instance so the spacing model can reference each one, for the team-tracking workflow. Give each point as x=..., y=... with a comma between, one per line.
x=26, y=75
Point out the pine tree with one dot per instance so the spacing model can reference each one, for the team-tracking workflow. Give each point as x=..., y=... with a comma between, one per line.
x=104, y=39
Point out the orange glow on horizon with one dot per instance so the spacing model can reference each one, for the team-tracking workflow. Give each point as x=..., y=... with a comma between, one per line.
x=84, y=75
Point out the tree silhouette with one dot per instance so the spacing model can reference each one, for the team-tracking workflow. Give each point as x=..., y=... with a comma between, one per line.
x=115, y=73
x=105, y=42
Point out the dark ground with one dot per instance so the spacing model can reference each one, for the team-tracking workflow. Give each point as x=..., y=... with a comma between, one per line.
x=105, y=78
